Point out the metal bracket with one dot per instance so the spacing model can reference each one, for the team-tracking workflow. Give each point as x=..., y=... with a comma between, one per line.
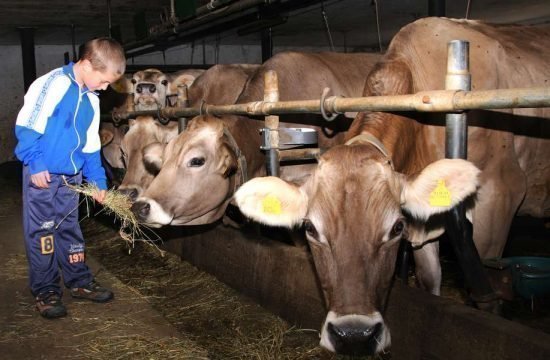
x=289, y=137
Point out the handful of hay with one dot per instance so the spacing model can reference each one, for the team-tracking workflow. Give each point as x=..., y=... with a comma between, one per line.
x=118, y=205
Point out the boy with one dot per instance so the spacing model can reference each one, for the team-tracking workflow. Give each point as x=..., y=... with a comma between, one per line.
x=58, y=140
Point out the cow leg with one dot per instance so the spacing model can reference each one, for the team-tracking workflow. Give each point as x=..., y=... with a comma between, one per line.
x=428, y=267
x=497, y=202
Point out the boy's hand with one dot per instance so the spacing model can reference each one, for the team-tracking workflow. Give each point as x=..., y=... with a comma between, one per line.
x=99, y=196
x=41, y=179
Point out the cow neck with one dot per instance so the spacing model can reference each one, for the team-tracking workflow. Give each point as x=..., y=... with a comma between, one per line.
x=242, y=173
x=367, y=137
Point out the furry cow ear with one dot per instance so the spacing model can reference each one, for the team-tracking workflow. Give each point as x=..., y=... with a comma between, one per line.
x=152, y=157
x=272, y=201
x=185, y=79
x=106, y=136
x=439, y=187
x=123, y=85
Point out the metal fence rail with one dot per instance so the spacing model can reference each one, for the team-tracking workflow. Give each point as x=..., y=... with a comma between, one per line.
x=425, y=101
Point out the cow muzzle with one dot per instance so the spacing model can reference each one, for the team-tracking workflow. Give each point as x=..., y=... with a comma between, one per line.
x=141, y=209
x=149, y=212
x=355, y=334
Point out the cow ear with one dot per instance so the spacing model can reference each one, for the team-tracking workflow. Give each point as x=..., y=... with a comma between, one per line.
x=123, y=85
x=106, y=136
x=228, y=161
x=272, y=201
x=181, y=80
x=439, y=187
x=152, y=157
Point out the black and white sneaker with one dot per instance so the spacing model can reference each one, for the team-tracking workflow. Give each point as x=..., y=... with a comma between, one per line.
x=92, y=291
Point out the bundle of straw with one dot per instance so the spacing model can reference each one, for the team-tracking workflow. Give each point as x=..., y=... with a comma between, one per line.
x=118, y=205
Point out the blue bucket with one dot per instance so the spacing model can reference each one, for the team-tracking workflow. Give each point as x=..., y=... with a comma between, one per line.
x=530, y=275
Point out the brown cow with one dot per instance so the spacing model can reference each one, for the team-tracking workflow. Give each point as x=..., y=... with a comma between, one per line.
x=205, y=157
x=218, y=85
x=389, y=179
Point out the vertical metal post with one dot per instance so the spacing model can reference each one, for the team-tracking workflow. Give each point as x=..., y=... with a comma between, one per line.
x=458, y=228
x=183, y=101
x=436, y=7
x=271, y=94
x=27, y=51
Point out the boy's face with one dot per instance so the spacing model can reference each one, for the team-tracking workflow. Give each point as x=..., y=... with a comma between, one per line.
x=98, y=80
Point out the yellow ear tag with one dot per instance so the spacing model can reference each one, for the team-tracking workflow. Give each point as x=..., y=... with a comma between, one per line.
x=271, y=205
x=441, y=196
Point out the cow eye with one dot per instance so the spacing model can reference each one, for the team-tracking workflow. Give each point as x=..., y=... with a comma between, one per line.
x=164, y=82
x=196, y=162
x=310, y=229
x=397, y=229
x=133, y=81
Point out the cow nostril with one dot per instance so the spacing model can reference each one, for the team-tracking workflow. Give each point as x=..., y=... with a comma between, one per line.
x=141, y=209
x=152, y=89
x=133, y=194
x=353, y=339
x=139, y=89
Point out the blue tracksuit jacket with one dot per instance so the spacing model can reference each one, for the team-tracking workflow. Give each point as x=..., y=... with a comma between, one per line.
x=57, y=128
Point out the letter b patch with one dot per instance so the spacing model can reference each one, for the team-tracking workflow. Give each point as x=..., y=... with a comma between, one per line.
x=46, y=243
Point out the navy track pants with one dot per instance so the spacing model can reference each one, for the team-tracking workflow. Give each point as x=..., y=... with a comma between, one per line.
x=53, y=238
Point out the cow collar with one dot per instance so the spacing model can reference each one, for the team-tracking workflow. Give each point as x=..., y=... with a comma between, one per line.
x=242, y=174
x=366, y=137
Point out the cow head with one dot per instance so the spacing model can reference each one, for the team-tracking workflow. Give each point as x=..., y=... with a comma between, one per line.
x=142, y=134
x=197, y=177
x=111, y=136
x=355, y=209
x=150, y=89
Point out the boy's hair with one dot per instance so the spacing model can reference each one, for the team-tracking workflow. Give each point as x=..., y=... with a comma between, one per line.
x=104, y=53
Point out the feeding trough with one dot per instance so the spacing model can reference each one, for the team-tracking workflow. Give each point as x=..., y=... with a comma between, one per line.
x=530, y=274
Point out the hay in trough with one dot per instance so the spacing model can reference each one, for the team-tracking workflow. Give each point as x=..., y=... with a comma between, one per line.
x=118, y=205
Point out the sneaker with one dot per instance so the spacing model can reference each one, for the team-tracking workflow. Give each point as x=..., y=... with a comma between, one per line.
x=50, y=306
x=93, y=291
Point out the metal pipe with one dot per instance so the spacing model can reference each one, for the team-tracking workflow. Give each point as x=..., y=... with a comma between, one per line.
x=211, y=6
x=458, y=229
x=299, y=154
x=436, y=7
x=458, y=78
x=207, y=19
x=425, y=101
x=271, y=94
x=183, y=101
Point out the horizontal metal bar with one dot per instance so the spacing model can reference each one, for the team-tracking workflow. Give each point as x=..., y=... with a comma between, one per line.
x=425, y=101
x=299, y=154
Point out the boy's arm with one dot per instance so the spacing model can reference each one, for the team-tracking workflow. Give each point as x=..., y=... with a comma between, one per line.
x=40, y=101
x=92, y=170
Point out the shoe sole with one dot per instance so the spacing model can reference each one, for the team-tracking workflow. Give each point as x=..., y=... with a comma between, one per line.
x=48, y=315
x=94, y=300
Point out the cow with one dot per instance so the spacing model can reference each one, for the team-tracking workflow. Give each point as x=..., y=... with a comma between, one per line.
x=111, y=137
x=214, y=155
x=220, y=84
x=389, y=180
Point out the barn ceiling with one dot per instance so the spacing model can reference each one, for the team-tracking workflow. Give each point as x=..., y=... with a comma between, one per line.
x=357, y=24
